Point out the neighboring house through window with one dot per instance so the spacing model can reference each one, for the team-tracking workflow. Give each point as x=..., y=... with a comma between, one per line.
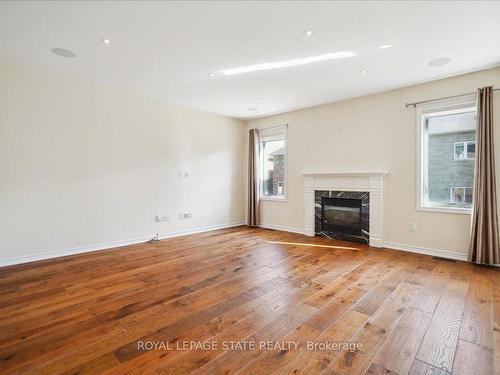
x=273, y=163
x=447, y=150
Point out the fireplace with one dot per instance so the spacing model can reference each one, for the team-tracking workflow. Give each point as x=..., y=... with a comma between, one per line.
x=343, y=215
x=365, y=185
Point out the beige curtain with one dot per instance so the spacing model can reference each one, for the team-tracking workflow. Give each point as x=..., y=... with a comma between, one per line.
x=484, y=244
x=253, y=178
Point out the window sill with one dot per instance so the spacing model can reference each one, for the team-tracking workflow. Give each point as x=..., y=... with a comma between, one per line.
x=276, y=199
x=447, y=210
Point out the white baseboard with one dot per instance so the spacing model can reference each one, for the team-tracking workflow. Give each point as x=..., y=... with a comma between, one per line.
x=283, y=228
x=376, y=241
x=184, y=232
x=426, y=251
x=111, y=244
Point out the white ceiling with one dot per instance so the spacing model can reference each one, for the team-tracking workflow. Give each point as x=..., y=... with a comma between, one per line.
x=166, y=50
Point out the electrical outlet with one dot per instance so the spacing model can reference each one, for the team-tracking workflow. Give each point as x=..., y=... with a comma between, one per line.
x=412, y=227
x=162, y=217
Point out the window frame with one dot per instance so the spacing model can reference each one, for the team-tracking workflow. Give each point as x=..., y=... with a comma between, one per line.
x=459, y=105
x=262, y=136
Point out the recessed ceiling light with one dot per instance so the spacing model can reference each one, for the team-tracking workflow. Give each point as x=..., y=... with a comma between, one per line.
x=105, y=41
x=385, y=46
x=252, y=109
x=362, y=71
x=308, y=32
x=287, y=63
x=440, y=61
x=63, y=52
x=263, y=98
x=211, y=74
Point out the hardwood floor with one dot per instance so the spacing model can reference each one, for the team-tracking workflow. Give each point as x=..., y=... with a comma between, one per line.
x=98, y=313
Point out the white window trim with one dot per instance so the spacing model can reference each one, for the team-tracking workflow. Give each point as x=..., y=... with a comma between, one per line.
x=466, y=152
x=275, y=198
x=443, y=107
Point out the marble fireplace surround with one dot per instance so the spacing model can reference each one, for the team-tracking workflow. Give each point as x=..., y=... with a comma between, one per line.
x=362, y=181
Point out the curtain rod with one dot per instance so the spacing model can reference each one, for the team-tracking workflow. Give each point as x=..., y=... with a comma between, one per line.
x=272, y=127
x=414, y=104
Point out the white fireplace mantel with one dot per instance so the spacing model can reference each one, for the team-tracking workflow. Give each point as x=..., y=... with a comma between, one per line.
x=364, y=181
x=345, y=174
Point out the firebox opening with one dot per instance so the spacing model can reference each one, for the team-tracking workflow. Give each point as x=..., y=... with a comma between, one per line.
x=341, y=215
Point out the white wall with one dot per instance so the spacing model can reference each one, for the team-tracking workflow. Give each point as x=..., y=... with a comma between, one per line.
x=82, y=165
x=374, y=132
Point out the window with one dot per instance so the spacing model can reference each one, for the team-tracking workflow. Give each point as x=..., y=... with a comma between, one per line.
x=461, y=195
x=280, y=188
x=273, y=163
x=464, y=150
x=447, y=147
